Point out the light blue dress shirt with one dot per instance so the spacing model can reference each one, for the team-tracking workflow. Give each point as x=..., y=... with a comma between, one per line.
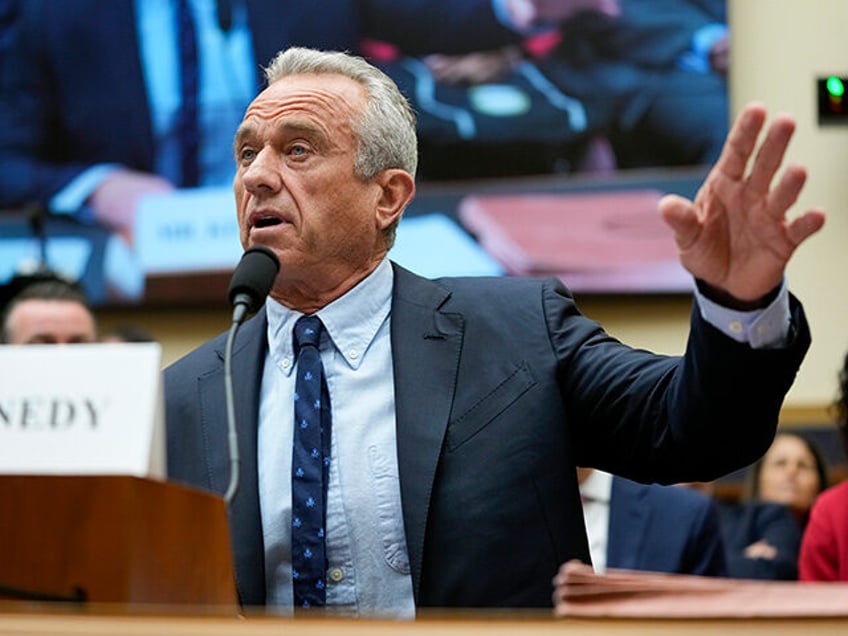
x=369, y=573
x=762, y=329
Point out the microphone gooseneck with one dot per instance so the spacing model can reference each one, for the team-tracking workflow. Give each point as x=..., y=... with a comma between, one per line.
x=250, y=284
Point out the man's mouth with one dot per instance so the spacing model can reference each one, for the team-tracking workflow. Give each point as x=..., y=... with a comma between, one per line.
x=260, y=220
x=267, y=221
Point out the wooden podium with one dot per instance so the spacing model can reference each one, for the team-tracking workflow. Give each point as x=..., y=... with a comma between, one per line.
x=113, y=539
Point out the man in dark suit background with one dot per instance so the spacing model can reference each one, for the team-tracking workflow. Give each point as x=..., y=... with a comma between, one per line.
x=650, y=527
x=460, y=407
x=89, y=97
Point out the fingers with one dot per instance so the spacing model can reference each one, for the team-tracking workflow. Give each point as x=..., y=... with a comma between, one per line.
x=805, y=226
x=770, y=155
x=679, y=214
x=741, y=141
x=785, y=193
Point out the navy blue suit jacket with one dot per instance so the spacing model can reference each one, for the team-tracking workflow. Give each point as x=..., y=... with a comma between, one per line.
x=663, y=529
x=72, y=92
x=501, y=388
x=748, y=522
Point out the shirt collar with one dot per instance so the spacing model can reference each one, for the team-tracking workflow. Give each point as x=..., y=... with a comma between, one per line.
x=351, y=322
x=597, y=487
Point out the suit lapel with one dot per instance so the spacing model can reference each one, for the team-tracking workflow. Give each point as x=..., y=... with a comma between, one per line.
x=426, y=345
x=244, y=514
x=628, y=523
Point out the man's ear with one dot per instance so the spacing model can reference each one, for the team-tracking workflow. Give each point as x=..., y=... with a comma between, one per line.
x=397, y=187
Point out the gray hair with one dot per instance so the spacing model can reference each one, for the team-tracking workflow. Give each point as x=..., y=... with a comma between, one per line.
x=386, y=130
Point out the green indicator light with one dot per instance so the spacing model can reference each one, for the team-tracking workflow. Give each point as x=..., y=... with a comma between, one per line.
x=835, y=86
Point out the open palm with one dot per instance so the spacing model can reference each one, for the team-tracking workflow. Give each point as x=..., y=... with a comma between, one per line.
x=735, y=235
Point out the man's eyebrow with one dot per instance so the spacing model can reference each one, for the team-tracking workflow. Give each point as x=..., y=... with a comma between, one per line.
x=306, y=128
x=288, y=127
x=244, y=131
x=299, y=125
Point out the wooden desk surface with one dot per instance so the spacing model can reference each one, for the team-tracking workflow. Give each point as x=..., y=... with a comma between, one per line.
x=29, y=619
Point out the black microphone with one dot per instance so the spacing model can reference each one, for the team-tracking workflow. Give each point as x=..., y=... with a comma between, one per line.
x=250, y=284
x=252, y=280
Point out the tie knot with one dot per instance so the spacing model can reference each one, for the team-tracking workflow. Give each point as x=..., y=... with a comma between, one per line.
x=307, y=332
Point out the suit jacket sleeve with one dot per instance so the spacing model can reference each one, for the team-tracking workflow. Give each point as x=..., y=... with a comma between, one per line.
x=669, y=419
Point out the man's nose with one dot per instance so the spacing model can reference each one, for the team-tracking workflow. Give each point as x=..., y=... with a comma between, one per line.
x=263, y=173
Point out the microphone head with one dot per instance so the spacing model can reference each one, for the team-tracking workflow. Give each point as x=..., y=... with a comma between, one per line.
x=253, y=277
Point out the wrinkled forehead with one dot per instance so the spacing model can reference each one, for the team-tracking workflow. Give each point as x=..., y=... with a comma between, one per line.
x=327, y=97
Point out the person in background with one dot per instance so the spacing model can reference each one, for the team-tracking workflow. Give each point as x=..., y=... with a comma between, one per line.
x=454, y=411
x=761, y=538
x=762, y=533
x=793, y=473
x=649, y=527
x=102, y=103
x=824, y=547
x=650, y=75
x=51, y=311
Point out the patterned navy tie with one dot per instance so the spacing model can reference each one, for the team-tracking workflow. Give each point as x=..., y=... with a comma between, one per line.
x=310, y=467
x=187, y=118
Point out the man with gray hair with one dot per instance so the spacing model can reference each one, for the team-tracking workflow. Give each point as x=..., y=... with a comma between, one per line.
x=409, y=442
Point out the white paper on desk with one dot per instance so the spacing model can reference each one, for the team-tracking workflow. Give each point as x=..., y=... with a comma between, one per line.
x=190, y=230
x=86, y=409
x=433, y=245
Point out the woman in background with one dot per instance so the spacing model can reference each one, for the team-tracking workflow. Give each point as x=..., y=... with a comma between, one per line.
x=762, y=534
x=792, y=473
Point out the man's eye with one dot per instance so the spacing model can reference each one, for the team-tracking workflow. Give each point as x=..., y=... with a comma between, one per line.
x=298, y=150
x=247, y=154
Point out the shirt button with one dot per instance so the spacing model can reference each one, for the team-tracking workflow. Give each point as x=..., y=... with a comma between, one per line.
x=353, y=354
x=286, y=363
x=735, y=327
x=336, y=575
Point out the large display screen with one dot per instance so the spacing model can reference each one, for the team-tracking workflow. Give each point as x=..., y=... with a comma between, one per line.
x=544, y=156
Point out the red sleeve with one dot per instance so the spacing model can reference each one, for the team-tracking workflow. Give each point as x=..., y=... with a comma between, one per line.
x=824, y=547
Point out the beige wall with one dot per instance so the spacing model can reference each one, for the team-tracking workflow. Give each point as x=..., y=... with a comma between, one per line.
x=179, y=330
x=779, y=47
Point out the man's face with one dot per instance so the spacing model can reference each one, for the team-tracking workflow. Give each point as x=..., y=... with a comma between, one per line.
x=36, y=321
x=295, y=187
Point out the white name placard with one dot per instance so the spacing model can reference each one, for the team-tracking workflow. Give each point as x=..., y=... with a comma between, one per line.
x=86, y=409
x=188, y=230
